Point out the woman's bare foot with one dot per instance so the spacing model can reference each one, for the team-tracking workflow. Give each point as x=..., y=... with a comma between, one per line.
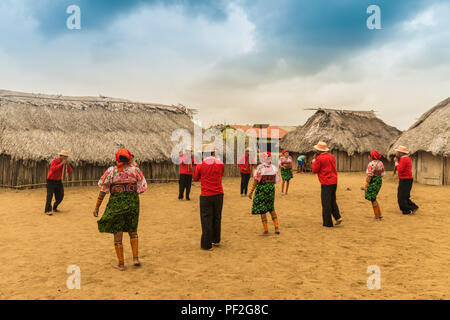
x=119, y=267
x=136, y=262
x=277, y=230
x=265, y=233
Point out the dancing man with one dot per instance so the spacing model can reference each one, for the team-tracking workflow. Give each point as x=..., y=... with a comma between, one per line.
x=324, y=164
x=403, y=165
x=59, y=167
x=209, y=172
x=186, y=171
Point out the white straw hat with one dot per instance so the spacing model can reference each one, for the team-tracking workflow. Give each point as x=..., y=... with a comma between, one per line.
x=321, y=146
x=402, y=149
x=63, y=153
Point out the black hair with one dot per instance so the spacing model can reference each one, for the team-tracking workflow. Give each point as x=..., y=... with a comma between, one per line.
x=123, y=159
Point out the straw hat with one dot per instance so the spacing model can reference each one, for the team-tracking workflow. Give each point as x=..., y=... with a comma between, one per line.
x=208, y=148
x=402, y=149
x=63, y=153
x=321, y=146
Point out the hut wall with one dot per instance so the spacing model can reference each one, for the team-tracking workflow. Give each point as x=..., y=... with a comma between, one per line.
x=429, y=168
x=447, y=171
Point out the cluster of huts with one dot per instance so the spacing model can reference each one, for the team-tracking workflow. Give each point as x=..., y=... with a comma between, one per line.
x=35, y=127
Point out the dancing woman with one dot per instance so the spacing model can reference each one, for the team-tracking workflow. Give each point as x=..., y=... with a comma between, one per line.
x=285, y=164
x=125, y=182
x=375, y=173
x=264, y=180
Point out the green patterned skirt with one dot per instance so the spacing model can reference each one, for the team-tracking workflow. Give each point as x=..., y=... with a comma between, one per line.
x=264, y=198
x=286, y=174
x=121, y=213
x=373, y=188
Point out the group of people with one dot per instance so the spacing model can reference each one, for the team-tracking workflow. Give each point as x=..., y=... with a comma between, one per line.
x=125, y=181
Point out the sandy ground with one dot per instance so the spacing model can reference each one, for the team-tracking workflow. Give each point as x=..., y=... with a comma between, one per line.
x=306, y=261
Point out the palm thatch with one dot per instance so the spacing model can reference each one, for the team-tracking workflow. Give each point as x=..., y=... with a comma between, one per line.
x=431, y=133
x=343, y=130
x=37, y=126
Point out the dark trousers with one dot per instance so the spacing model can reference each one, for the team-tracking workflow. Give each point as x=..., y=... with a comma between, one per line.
x=245, y=177
x=329, y=205
x=404, y=194
x=185, y=184
x=54, y=187
x=211, y=218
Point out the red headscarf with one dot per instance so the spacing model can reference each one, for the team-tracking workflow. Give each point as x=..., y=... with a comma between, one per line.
x=125, y=153
x=375, y=154
x=284, y=151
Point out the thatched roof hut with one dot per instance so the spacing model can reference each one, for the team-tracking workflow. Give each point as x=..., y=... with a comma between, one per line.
x=351, y=135
x=428, y=141
x=35, y=127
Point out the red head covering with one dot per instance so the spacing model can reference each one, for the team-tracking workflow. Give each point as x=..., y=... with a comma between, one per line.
x=266, y=157
x=284, y=151
x=125, y=153
x=375, y=154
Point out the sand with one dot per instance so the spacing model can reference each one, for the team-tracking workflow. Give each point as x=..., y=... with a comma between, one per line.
x=307, y=261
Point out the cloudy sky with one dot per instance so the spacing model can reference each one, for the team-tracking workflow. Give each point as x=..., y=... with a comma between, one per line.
x=236, y=61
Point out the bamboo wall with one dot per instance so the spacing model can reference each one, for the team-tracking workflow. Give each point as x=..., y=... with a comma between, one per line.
x=33, y=174
x=345, y=163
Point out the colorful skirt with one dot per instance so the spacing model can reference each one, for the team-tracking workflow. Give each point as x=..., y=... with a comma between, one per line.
x=286, y=174
x=121, y=213
x=264, y=198
x=374, y=188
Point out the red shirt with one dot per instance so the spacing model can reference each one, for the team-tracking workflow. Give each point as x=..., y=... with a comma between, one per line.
x=185, y=166
x=56, y=170
x=244, y=164
x=404, y=168
x=325, y=167
x=210, y=173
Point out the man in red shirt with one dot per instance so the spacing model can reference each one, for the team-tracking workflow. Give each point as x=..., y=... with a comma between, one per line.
x=186, y=171
x=405, y=177
x=324, y=164
x=58, y=167
x=246, y=169
x=210, y=173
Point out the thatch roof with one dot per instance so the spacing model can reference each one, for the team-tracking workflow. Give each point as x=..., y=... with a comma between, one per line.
x=431, y=133
x=344, y=130
x=38, y=126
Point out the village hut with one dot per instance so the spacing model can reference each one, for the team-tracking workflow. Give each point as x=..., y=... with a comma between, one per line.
x=349, y=134
x=35, y=127
x=428, y=141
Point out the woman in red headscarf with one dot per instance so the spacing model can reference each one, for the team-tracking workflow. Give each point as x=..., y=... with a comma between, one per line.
x=264, y=180
x=285, y=163
x=375, y=173
x=125, y=182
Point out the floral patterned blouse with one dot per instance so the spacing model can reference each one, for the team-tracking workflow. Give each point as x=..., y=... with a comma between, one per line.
x=130, y=179
x=286, y=162
x=375, y=168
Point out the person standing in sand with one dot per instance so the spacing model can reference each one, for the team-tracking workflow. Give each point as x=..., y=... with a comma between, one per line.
x=285, y=163
x=209, y=172
x=186, y=171
x=59, y=167
x=246, y=170
x=403, y=165
x=125, y=182
x=301, y=164
x=375, y=173
x=324, y=165
x=264, y=180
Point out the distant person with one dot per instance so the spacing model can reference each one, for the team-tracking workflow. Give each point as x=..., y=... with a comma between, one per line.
x=186, y=171
x=403, y=165
x=375, y=173
x=301, y=164
x=59, y=167
x=285, y=164
x=264, y=180
x=324, y=164
x=245, y=168
x=209, y=172
x=125, y=182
